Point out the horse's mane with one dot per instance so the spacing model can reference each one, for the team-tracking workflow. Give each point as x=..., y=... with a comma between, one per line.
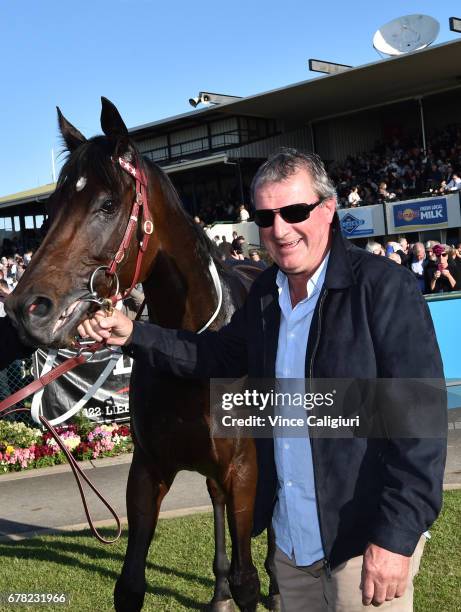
x=204, y=246
x=96, y=152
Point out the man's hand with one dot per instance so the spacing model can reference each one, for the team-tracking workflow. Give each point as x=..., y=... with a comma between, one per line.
x=115, y=329
x=384, y=575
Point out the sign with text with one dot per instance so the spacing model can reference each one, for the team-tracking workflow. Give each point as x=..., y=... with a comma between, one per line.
x=420, y=214
x=356, y=222
x=108, y=404
x=424, y=214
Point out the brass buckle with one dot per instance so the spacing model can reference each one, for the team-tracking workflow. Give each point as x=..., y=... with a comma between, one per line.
x=148, y=227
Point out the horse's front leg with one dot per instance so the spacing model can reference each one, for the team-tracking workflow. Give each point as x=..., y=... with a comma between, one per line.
x=243, y=575
x=274, y=602
x=222, y=598
x=144, y=495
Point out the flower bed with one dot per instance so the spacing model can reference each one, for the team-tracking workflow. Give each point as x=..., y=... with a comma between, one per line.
x=23, y=447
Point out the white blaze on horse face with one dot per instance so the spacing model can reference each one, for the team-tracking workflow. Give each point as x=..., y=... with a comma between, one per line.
x=80, y=184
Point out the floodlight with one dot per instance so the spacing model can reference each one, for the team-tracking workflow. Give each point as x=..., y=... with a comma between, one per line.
x=455, y=24
x=327, y=67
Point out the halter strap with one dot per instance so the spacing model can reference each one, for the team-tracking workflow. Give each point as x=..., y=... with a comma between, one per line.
x=147, y=227
x=139, y=207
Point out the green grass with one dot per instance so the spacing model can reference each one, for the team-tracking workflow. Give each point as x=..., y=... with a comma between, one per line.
x=179, y=567
x=438, y=585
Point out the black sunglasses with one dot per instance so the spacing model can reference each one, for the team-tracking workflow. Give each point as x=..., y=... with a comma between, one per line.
x=293, y=213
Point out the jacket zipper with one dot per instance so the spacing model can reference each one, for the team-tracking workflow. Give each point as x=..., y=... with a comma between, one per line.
x=326, y=561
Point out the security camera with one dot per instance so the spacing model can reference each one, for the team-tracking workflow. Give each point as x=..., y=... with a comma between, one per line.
x=195, y=101
x=207, y=98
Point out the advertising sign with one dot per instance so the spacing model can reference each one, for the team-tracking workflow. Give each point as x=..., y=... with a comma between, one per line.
x=362, y=222
x=108, y=404
x=419, y=214
x=356, y=222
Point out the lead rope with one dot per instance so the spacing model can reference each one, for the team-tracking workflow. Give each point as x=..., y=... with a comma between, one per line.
x=79, y=476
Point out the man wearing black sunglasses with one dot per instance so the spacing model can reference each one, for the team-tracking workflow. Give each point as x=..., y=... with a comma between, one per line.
x=348, y=514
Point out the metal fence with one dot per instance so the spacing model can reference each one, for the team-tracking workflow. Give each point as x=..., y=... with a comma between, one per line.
x=16, y=376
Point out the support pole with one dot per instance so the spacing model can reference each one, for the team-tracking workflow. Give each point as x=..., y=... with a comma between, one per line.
x=423, y=129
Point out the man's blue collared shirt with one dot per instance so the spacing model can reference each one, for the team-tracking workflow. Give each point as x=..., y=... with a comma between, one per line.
x=295, y=519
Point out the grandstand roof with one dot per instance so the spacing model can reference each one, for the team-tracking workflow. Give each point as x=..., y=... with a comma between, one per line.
x=30, y=195
x=420, y=73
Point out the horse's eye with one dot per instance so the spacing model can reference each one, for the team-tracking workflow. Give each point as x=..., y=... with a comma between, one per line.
x=108, y=207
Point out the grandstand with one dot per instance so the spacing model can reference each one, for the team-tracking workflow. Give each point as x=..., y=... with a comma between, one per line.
x=212, y=153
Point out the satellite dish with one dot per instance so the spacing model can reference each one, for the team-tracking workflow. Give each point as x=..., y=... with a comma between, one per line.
x=406, y=34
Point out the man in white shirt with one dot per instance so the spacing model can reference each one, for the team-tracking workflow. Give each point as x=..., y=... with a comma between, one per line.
x=349, y=514
x=454, y=184
x=244, y=215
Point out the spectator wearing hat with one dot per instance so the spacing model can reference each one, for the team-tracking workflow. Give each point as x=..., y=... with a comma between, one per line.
x=441, y=274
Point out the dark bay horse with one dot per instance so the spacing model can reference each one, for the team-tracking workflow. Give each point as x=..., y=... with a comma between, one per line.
x=88, y=216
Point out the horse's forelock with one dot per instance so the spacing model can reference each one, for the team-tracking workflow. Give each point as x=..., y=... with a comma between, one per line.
x=92, y=158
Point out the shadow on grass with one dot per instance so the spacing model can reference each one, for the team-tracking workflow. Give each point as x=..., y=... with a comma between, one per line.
x=68, y=552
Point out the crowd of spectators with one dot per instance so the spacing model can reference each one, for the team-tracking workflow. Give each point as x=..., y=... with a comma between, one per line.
x=397, y=170
x=237, y=252
x=11, y=270
x=400, y=170
x=436, y=266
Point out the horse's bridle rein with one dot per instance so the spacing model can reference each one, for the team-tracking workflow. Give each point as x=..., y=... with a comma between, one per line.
x=147, y=227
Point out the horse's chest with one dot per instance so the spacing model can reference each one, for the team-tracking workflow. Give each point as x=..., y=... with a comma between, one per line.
x=170, y=417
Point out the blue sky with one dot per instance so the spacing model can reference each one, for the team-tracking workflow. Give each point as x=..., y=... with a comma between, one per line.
x=149, y=57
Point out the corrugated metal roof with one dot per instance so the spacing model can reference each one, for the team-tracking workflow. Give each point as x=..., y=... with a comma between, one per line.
x=28, y=196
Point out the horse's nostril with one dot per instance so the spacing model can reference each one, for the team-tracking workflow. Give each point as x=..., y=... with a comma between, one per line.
x=39, y=307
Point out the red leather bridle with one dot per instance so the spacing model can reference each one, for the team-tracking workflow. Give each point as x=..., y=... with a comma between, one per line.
x=138, y=208
x=145, y=230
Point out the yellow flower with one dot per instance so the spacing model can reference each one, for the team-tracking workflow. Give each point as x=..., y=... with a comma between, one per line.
x=10, y=449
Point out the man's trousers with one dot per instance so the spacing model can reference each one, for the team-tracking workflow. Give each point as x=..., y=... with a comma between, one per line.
x=307, y=589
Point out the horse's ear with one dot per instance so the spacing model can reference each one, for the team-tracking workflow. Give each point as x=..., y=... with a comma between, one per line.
x=72, y=137
x=111, y=122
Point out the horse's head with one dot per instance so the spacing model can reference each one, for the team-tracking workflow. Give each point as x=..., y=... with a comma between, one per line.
x=88, y=215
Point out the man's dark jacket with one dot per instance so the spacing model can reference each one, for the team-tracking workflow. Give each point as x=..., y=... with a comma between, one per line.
x=370, y=322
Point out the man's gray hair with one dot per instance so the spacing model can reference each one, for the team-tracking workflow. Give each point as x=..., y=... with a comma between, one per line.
x=286, y=162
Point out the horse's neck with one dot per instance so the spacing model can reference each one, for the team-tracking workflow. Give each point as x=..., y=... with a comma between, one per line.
x=179, y=291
